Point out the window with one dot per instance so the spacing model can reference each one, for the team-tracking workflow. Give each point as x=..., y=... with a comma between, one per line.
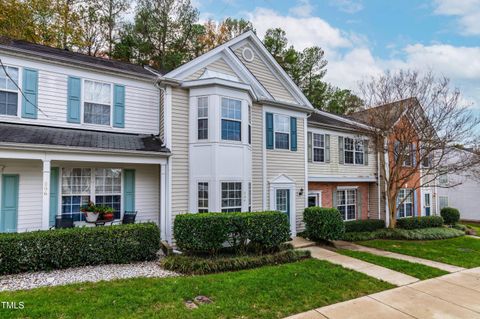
x=231, y=197
x=97, y=103
x=80, y=185
x=282, y=131
x=314, y=199
x=443, y=201
x=8, y=91
x=202, y=197
x=443, y=179
x=231, y=119
x=346, y=203
x=405, y=203
x=202, y=114
x=249, y=196
x=249, y=124
x=409, y=156
x=354, y=151
x=282, y=200
x=318, y=147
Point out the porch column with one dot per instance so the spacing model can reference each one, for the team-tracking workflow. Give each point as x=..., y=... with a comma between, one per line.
x=46, y=195
x=163, y=201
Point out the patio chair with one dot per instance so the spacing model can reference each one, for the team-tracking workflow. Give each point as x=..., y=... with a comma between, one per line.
x=63, y=222
x=129, y=217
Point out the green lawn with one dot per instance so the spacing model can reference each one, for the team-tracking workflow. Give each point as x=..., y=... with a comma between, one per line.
x=413, y=269
x=475, y=227
x=267, y=292
x=460, y=251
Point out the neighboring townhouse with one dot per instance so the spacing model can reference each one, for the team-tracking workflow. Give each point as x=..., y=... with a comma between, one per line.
x=342, y=169
x=237, y=124
x=81, y=128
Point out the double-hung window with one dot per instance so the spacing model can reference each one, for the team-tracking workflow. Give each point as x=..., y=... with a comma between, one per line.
x=354, y=151
x=108, y=188
x=97, y=100
x=231, y=119
x=405, y=203
x=249, y=124
x=346, y=203
x=443, y=201
x=318, y=147
x=8, y=91
x=231, y=197
x=202, y=204
x=282, y=131
x=202, y=113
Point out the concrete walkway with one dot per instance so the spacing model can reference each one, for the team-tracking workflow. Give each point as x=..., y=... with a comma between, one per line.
x=451, y=296
x=382, y=273
x=351, y=246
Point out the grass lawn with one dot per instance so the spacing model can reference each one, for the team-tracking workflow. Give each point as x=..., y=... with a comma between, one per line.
x=413, y=269
x=460, y=251
x=267, y=292
x=475, y=227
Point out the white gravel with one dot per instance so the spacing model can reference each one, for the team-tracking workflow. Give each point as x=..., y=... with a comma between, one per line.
x=83, y=274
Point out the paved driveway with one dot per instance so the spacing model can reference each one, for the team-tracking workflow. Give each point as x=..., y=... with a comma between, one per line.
x=454, y=295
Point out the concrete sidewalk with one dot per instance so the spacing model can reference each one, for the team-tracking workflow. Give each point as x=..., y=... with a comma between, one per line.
x=453, y=296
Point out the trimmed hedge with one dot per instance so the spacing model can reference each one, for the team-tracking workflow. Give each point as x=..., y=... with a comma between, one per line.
x=405, y=234
x=75, y=247
x=323, y=223
x=420, y=222
x=208, y=232
x=364, y=225
x=450, y=215
x=200, y=266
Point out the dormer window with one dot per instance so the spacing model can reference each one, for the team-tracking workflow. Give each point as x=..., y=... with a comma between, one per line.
x=8, y=91
x=231, y=119
x=97, y=103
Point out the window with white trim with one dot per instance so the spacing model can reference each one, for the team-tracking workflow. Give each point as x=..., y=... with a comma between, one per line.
x=443, y=179
x=347, y=203
x=231, y=119
x=231, y=196
x=108, y=188
x=405, y=203
x=8, y=91
x=281, y=128
x=318, y=147
x=249, y=124
x=314, y=199
x=354, y=151
x=202, y=204
x=97, y=101
x=202, y=114
x=443, y=201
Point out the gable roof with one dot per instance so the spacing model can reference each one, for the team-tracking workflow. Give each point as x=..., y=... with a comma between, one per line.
x=322, y=119
x=46, y=52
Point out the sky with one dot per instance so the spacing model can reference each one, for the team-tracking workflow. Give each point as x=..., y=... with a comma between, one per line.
x=364, y=38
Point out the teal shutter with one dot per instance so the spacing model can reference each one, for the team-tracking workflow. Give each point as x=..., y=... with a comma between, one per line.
x=30, y=90
x=359, y=204
x=415, y=203
x=129, y=190
x=293, y=133
x=365, y=152
x=327, y=148
x=119, y=106
x=53, y=195
x=269, y=128
x=9, y=207
x=341, y=154
x=73, y=99
x=310, y=146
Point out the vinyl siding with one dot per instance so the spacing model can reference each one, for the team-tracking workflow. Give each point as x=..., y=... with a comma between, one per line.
x=263, y=74
x=162, y=116
x=218, y=66
x=141, y=97
x=257, y=157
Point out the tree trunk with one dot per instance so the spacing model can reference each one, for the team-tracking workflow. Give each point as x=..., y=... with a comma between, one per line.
x=392, y=207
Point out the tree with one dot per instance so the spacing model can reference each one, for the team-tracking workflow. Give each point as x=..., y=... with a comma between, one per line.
x=418, y=123
x=111, y=12
x=216, y=34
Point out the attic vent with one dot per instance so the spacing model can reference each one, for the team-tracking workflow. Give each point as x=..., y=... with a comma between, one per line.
x=247, y=54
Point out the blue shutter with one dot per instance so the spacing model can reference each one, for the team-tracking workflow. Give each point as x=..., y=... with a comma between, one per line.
x=53, y=195
x=129, y=190
x=9, y=207
x=415, y=204
x=269, y=128
x=119, y=106
x=293, y=133
x=73, y=99
x=30, y=90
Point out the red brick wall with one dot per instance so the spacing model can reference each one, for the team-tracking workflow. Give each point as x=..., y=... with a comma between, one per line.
x=327, y=196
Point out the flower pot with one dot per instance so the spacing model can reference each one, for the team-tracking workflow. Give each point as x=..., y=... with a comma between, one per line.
x=91, y=216
x=108, y=216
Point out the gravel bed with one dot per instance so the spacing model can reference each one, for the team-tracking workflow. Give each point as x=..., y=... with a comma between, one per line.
x=32, y=280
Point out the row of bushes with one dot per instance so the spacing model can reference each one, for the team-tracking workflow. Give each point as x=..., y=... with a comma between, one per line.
x=420, y=222
x=405, y=234
x=208, y=233
x=364, y=225
x=64, y=248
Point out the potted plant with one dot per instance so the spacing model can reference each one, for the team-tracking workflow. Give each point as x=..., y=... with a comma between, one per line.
x=91, y=212
x=107, y=213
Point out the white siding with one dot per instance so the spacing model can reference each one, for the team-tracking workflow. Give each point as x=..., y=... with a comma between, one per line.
x=257, y=158
x=218, y=66
x=142, y=100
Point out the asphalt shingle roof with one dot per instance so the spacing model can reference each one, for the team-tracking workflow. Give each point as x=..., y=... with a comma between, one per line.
x=321, y=119
x=67, y=137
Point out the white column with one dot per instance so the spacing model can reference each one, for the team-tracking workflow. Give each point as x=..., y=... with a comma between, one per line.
x=163, y=201
x=46, y=195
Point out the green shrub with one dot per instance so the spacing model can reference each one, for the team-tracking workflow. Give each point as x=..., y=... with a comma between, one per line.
x=420, y=222
x=208, y=232
x=364, y=225
x=450, y=215
x=64, y=248
x=405, y=234
x=199, y=266
x=323, y=223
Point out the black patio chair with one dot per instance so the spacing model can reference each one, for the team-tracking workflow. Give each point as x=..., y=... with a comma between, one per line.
x=129, y=217
x=63, y=222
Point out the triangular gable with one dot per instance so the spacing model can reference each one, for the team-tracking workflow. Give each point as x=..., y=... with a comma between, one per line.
x=219, y=66
x=282, y=179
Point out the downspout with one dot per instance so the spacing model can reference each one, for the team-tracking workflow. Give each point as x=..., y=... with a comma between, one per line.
x=379, y=183
x=387, y=210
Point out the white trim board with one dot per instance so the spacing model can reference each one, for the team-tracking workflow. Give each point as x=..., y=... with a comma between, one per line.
x=368, y=179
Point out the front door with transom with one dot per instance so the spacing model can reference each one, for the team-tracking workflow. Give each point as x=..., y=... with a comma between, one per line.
x=282, y=200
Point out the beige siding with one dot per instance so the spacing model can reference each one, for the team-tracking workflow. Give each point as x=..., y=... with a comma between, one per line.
x=291, y=164
x=180, y=182
x=162, y=116
x=218, y=66
x=263, y=74
x=257, y=158
x=147, y=192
